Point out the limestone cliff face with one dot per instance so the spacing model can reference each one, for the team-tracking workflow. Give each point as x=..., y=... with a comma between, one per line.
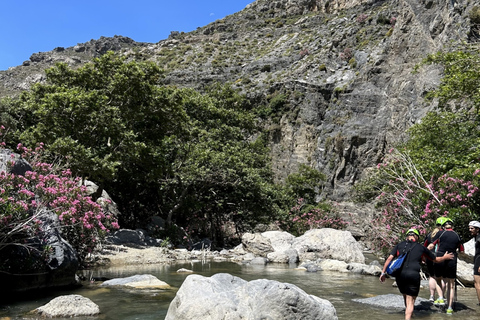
x=342, y=67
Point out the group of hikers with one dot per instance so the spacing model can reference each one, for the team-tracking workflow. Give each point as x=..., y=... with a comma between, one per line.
x=439, y=252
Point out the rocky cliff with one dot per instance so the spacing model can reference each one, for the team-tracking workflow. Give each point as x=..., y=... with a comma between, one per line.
x=334, y=77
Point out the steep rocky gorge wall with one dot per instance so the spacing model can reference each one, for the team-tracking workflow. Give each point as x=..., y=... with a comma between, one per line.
x=368, y=107
x=344, y=67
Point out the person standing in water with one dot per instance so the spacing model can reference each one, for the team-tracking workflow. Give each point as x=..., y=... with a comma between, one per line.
x=447, y=240
x=409, y=279
x=432, y=282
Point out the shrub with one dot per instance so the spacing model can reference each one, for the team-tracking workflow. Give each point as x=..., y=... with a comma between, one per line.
x=347, y=54
x=302, y=218
x=361, y=18
x=22, y=198
x=474, y=15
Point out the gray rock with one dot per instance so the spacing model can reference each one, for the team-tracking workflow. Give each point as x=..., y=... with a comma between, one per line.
x=257, y=244
x=465, y=273
x=224, y=296
x=143, y=281
x=395, y=302
x=328, y=243
x=68, y=306
x=132, y=237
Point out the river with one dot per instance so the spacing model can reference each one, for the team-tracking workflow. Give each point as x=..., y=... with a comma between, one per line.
x=338, y=288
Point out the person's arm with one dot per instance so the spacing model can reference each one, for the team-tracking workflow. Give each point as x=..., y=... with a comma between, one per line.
x=385, y=265
x=446, y=256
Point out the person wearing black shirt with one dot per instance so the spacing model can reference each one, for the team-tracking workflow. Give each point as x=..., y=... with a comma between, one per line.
x=409, y=279
x=447, y=240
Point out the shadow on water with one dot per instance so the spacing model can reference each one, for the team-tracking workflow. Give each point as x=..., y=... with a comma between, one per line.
x=339, y=288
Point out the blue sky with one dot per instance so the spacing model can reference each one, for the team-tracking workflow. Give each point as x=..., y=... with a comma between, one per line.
x=31, y=26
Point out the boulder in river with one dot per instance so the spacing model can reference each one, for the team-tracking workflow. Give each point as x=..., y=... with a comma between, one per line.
x=223, y=296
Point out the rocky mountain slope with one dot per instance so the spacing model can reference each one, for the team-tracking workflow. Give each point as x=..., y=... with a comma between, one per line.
x=333, y=77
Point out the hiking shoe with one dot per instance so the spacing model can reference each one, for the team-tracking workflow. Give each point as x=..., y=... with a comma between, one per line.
x=449, y=311
x=439, y=302
x=431, y=299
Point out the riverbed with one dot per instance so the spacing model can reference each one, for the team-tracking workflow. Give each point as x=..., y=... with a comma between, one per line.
x=337, y=287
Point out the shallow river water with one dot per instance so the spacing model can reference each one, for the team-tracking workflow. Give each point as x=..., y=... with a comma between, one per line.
x=338, y=288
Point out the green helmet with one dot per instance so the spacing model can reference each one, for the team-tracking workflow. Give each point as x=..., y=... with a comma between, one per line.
x=414, y=231
x=441, y=221
x=447, y=220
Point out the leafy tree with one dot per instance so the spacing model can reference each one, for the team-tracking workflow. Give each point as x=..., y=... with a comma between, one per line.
x=222, y=171
x=198, y=160
x=109, y=118
x=445, y=142
x=461, y=79
x=306, y=183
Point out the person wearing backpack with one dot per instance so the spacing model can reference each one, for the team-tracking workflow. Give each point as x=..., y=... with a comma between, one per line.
x=446, y=240
x=408, y=279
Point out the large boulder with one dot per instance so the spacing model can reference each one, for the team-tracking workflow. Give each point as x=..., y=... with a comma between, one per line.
x=67, y=307
x=328, y=243
x=135, y=238
x=257, y=244
x=465, y=273
x=224, y=296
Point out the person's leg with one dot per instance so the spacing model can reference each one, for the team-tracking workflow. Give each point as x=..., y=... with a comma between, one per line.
x=477, y=286
x=432, y=285
x=409, y=306
x=450, y=291
x=441, y=289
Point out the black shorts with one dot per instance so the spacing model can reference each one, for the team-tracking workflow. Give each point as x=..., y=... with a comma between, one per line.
x=430, y=268
x=446, y=269
x=409, y=283
x=476, y=265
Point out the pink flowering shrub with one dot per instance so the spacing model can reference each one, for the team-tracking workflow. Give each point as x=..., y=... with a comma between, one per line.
x=303, y=217
x=82, y=220
x=409, y=200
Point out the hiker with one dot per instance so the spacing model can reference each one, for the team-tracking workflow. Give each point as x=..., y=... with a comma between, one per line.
x=408, y=281
x=446, y=240
x=432, y=282
x=474, y=228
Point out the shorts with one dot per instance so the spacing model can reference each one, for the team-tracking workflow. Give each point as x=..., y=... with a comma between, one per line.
x=430, y=268
x=476, y=265
x=409, y=283
x=446, y=269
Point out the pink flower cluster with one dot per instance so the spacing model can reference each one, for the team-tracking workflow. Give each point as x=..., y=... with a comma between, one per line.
x=82, y=220
x=411, y=201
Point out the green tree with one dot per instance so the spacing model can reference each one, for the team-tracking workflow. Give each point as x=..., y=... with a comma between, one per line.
x=222, y=176
x=306, y=183
x=109, y=118
x=197, y=159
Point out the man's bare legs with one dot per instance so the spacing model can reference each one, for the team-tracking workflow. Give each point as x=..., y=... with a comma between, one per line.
x=477, y=286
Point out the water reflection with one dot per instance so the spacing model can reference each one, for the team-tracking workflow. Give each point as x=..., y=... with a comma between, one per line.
x=339, y=288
